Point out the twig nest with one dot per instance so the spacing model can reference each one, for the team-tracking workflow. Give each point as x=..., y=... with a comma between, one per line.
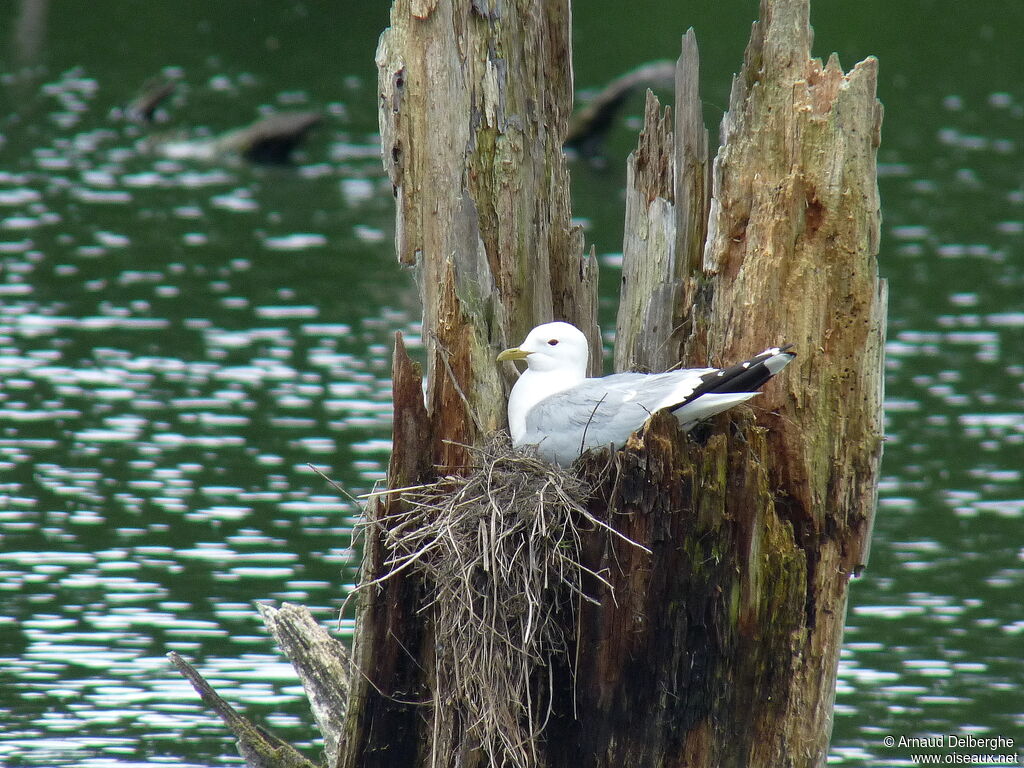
x=500, y=552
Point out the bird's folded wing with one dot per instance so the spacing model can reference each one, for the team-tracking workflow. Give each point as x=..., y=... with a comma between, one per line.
x=602, y=411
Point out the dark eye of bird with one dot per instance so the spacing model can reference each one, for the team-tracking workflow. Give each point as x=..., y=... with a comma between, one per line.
x=552, y=342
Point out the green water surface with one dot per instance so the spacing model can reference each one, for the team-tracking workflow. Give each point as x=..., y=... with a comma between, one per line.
x=180, y=340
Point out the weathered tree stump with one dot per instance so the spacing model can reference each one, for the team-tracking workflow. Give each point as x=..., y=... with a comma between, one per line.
x=709, y=631
x=474, y=106
x=721, y=647
x=733, y=654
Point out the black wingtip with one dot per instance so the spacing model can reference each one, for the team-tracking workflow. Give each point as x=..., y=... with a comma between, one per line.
x=746, y=376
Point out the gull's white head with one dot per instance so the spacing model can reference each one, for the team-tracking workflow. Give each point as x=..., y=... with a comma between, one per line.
x=553, y=347
x=556, y=358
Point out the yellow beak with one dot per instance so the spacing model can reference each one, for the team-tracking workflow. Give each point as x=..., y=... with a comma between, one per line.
x=513, y=354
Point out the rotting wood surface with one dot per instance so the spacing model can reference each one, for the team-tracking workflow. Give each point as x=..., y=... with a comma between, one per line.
x=719, y=648
x=474, y=106
x=730, y=639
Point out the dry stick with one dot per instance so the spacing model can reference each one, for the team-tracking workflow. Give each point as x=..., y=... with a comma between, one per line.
x=390, y=491
x=336, y=485
x=445, y=354
x=254, y=743
x=342, y=490
x=586, y=427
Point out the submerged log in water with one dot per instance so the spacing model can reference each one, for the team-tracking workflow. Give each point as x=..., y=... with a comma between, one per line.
x=269, y=140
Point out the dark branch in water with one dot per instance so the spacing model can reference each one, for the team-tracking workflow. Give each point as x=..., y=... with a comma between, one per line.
x=259, y=748
x=589, y=126
x=143, y=107
x=272, y=139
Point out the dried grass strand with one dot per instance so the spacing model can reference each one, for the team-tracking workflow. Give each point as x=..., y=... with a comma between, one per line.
x=500, y=552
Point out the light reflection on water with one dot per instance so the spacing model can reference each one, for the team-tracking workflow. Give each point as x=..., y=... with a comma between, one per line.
x=179, y=340
x=935, y=630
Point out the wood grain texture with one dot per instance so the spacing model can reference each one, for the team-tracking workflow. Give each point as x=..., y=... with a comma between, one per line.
x=321, y=662
x=651, y=289
x=719, y=646
x=474, y=106
x=692, y=161
x=692, y=639
x=790, y=255
x=792, y=247
x=667, y=200
x=383, y=723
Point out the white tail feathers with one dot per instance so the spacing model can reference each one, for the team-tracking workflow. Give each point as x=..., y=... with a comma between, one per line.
x=708, y=405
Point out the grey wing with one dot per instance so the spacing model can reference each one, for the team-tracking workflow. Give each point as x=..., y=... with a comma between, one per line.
x=654, y=390
x=598, y=412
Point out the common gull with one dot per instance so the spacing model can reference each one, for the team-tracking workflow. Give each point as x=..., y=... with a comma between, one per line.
x=555, y=407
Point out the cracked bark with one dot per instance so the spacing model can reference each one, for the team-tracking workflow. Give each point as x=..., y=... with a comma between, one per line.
x=720, y=648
